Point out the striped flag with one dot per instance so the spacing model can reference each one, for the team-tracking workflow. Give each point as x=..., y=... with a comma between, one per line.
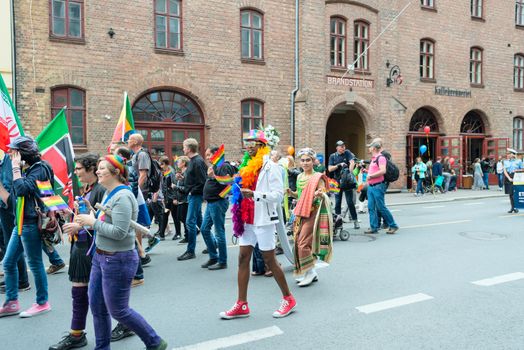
x=143, y=214
x=218, y=158
x=10, y=125
x=45, y=188
x=126, y=123
x=333, y=186
x=54, y=203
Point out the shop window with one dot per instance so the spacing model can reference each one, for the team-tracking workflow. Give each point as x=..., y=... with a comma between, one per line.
x=337, y=42
x=75, y=101
x=252, y=35
x=168, y=24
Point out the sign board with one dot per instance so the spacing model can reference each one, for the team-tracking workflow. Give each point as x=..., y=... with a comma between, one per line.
x=518, y=190
x=351, y=82
x=445, y=91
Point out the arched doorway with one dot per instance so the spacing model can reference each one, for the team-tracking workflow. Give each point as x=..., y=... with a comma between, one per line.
x=473, y=134
x=345, y=123
x=422, y=118
x=165, y=118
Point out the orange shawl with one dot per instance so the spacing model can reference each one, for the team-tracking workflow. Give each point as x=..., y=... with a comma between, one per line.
x=305, y=202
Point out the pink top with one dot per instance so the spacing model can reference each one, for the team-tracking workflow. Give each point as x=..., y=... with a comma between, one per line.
x=374, y=167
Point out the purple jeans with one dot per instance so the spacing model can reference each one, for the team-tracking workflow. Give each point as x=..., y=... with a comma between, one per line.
x=109, y=289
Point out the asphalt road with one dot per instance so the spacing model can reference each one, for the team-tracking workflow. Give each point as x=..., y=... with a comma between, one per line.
x=411, y=290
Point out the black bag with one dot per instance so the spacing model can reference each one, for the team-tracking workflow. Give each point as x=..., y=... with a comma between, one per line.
x=154, y=176
x=347, y=180
x=392, y=173
x=48, y=226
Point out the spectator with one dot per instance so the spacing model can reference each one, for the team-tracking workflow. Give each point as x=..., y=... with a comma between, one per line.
x=500, y=172
x=485, y=165
x=419, y=174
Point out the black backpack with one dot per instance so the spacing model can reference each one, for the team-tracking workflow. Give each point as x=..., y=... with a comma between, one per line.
x=154, y=177
x=392, y=173
x=347, y=180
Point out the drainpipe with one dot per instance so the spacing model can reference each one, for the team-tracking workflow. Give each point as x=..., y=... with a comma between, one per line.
x=297, y=81
x=13, y=52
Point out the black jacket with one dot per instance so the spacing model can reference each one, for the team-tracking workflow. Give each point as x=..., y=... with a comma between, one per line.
x=180, y=189
x=212, y=188
x=167, y=189
x=196, y=175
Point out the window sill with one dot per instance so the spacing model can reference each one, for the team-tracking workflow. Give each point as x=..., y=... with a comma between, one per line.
x=259, y=62
x=518, y=90
x=428, y=8
x=478, y=19
x=80, y=148
x=336, y=69
x=58, y=39
x=519, y=26
x=169, y=52
x=428, y=80
x=362, y=72
x=478, y=86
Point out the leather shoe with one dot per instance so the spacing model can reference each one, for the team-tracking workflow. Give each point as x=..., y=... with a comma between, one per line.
x=186, y=256
x=209, y=263
x=217, y=266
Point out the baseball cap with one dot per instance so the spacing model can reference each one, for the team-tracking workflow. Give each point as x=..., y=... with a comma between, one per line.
x=340, y=143
x=376, y=143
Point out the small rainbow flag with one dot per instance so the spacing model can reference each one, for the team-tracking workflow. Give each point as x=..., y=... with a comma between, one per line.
x=218, y=158
x=20, y=201
x=225, y=180
x=225, y=191
x=167, y=172
x=333, y=186
x=54, y=203
x=45, y=188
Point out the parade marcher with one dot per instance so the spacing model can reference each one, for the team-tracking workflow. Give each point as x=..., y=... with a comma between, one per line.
x=511, y=166
x=169, y=194
x=376, y=190
x=80, y=260
x=254, y=220
x=478, y=178
x=500, y=173
x=339, y=162
x=194, y=185
x=313, y=226
x=181, y=199
x=7, y=221
x=24, y=149
x=419, y=175
x=215, y=214
x=319, y=164
x=115, y=259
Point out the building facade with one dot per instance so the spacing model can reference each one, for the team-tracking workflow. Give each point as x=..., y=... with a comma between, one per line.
x=213, y=70
x=6, y=42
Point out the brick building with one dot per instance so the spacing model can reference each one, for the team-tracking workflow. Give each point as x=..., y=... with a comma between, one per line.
x=214, y=69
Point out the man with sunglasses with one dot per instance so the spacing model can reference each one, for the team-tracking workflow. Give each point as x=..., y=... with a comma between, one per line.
x=257, y=214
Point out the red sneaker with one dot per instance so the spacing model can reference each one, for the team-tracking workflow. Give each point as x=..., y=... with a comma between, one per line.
x=240, y=309
x=287, y=306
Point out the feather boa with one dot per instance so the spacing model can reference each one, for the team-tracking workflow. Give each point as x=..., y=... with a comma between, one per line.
x=241, y=209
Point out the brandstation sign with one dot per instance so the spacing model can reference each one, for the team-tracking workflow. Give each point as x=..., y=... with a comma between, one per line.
x=351, y=82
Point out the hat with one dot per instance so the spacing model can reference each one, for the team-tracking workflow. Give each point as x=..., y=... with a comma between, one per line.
x=511, y=150
x=23, y=143
x=340, y=143
x=256, y=135
x=376, y=143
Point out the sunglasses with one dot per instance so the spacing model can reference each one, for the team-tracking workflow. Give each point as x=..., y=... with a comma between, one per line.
x=251, y=143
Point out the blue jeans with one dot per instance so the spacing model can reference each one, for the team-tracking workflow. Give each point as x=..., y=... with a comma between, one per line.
x=53, y=256
x=349, y=202
x=109, y=290
x=420, y=189
x=501, y=180
x=194, y=218
x=7, y=221
x=485, y=178
x=31, y=243
x=376, y=204
x=215, y=216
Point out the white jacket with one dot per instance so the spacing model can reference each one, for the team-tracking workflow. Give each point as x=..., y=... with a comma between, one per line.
x=269, y=194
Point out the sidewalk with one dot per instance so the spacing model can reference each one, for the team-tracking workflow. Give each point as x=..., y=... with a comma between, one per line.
x=406, y=198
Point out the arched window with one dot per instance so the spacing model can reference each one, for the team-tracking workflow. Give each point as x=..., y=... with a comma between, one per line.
x=75, y=100
x=472, y=124
x=475, y=66
x=167, y=106
x=518, y=135
x=421, y=118
x=337, y=41
x=252, y=34
x=427, y=59
x=361, y=43
x=252, y=115
x=518, y=72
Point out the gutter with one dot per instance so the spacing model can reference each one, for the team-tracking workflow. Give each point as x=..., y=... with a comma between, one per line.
x=297, y=78
x=13, y=53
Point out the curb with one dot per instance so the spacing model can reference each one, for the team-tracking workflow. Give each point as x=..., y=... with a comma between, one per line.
x=445, y=200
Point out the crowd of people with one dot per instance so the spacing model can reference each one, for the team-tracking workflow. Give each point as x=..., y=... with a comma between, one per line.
x=123, y=192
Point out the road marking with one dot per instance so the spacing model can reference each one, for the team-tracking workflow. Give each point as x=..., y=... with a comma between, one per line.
x=392, y=303
x=500, y=279
x=474, y=203
x=511, y=216
x=434, y=207
x=437, y=224
x=233, y=340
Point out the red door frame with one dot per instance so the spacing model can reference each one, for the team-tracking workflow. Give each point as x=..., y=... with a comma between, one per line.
x=451, y=146
x=493, y=148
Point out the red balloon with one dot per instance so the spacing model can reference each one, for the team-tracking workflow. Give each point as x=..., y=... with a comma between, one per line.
x=451, y=161
x=427, y=129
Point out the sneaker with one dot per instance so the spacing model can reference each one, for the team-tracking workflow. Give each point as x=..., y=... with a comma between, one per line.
x=186, y=256
x=152, y=243
x=370, y=231
x=217, y=266
x=145, y=260
x=137, y=282
x=279, y=251
x=183, y=241
x=287, y=306
x=392, y=230
x=70, y=342
x=36, y=309
x=21, y=287
x=240, y=309
x=54, y=268
x=10, y=308
x=175, y=237
x=356, y=225
x=161, y=346
x=120, y=332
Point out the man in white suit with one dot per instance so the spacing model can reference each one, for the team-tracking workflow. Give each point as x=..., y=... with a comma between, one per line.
x=267, y=198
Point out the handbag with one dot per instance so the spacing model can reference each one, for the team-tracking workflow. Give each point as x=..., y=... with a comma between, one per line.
x=48, y=226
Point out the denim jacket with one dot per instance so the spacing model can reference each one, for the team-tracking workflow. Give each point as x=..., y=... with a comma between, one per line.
x=6, y=177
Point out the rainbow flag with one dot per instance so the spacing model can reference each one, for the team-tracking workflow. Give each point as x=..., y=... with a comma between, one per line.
x=333, y=186
x=45, y=188
x=126, y=123
x=20, y=201
x=225, y=191
x=54, y=203
x=219, y=157
x=225, y=180
x=167, y=172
